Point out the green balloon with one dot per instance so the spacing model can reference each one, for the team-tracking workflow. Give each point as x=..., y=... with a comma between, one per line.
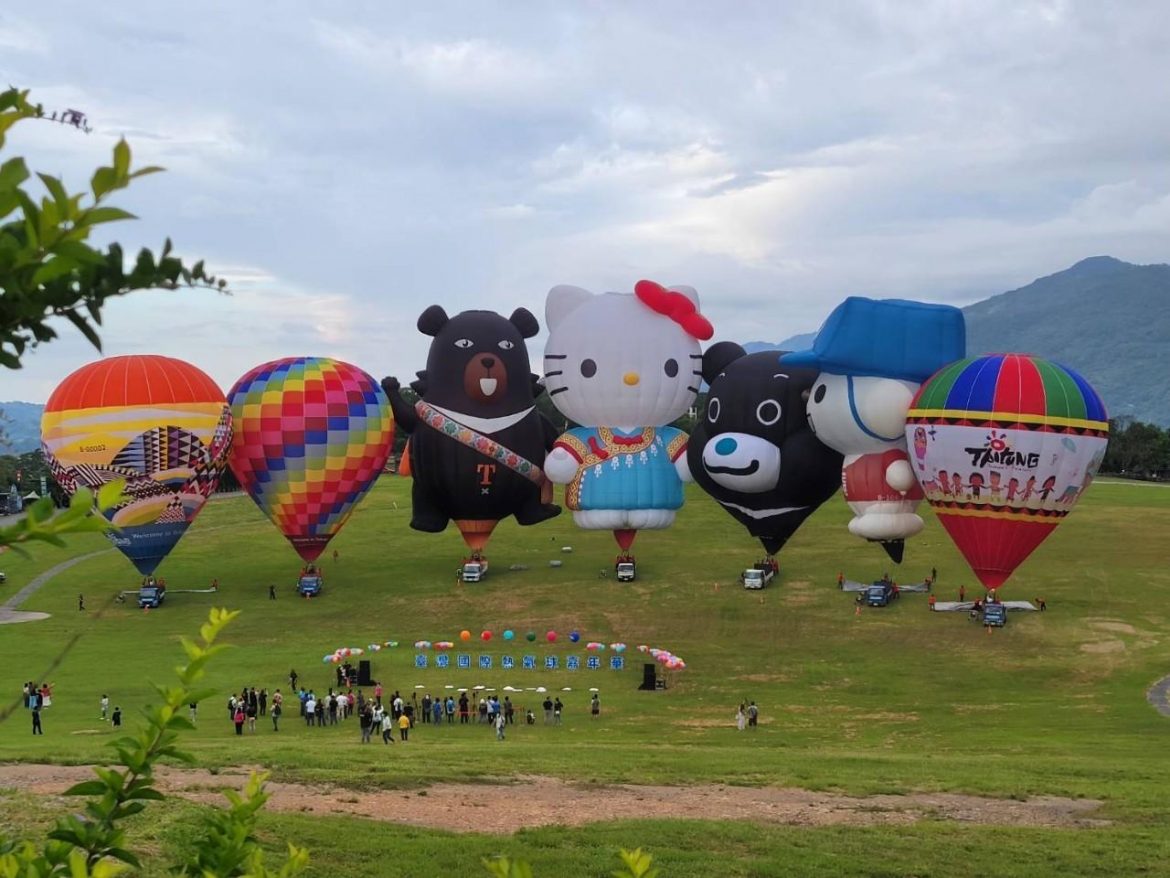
x=531, y=635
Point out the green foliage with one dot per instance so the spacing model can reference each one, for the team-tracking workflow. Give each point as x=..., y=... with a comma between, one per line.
x=637, y=865
x=93, y=843
x=46, y=267
x=1137, y=449
x=83, y=516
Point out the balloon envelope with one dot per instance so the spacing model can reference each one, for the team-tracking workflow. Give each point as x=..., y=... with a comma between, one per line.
x=1003, y=447
x=312, y=436
x=160, y=424
x=752, y=448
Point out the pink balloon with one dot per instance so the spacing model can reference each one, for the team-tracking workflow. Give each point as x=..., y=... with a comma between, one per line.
x=551, y=636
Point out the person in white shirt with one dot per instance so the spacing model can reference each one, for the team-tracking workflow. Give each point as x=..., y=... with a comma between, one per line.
x=310, y=709
x=105, y=707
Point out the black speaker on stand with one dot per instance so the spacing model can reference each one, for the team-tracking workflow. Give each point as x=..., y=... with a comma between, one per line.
x=364, y=678
x=649, y=677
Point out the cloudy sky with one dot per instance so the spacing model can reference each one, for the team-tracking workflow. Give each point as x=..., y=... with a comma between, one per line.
x=345, y=165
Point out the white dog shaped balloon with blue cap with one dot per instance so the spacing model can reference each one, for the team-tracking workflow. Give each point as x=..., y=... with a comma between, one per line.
x=623, y=366
x=873, y=355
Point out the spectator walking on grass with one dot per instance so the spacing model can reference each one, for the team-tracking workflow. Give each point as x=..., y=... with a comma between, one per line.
x=36, y=716
x=105, y=707
x=740, y=718
x=753, y=715
x=403, y=726
x=275, y=712
x=387, y=729
x=595, y=706
x=366, y=721
x=238, y=719
x=548, y=708
x=116, y=718
x=500, y=723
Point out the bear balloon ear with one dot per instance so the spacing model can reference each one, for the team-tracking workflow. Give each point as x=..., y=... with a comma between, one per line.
x=563, y=299
x=523, y=320
x=718, y=357
x=432, y=320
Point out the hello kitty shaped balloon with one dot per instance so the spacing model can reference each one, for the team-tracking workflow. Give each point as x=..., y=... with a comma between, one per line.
x=623, y=367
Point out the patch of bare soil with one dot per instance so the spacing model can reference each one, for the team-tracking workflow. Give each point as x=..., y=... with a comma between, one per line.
x=538, y=801
x=1103, y=646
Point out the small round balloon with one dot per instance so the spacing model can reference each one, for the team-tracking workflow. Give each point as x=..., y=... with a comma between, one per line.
x=485, y=636
x=530, y=636
x=575, y=636
x=465, y=635
x=509, y=634
x=551, y=637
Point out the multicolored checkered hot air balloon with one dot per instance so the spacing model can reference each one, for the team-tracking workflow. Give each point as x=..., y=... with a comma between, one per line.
x=312, y=435
x=160, y=424
x=1003, y=447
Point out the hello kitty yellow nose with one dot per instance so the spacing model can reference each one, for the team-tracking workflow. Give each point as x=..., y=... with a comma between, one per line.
x=631, y=378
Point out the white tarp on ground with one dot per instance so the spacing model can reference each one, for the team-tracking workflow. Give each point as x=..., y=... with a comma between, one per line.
x=966, y=606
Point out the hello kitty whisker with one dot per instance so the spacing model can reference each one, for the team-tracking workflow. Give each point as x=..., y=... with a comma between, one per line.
x=557, y=372
x=558, y=390
x=556, y=356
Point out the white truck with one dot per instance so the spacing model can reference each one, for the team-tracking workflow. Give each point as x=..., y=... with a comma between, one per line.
x=625, y=568
x=474, y=569
x=759, y=575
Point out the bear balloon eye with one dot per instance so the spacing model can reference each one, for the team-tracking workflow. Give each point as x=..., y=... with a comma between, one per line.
x=671, y=368
x=768, y=412
x=588, y=368
x=713, y=410
x=819, y=393
x=464, y=343
x=506, y=345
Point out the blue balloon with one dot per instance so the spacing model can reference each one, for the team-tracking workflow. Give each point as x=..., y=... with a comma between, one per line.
x=509, y=634
x=575, y=636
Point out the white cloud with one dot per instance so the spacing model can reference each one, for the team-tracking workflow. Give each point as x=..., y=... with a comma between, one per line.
x=778, y=159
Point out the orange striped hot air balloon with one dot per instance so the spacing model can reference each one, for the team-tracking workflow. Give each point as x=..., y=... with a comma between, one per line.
x=158, y=423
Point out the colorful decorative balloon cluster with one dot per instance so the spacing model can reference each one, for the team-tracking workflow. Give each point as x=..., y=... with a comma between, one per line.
x=884, y=404
x=662, y=656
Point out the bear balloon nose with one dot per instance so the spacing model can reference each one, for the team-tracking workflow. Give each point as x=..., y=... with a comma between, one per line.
x=631, y=378
x=726, y=446
x=487, y=362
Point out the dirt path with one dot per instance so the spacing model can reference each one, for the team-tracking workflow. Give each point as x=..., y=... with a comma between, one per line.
x=539, y=801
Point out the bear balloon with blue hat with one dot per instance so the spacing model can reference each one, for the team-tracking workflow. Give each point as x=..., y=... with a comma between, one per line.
x=872, y=356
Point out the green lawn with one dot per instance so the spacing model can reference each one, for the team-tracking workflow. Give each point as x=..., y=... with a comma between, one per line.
x=895, y=700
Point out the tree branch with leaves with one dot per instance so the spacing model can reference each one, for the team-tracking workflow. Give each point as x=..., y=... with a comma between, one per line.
x=47, y=268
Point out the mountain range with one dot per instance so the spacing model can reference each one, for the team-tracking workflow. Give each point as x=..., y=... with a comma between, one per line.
x=1108, y=319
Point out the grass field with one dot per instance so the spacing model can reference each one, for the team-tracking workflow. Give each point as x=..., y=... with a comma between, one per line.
x=896, y=700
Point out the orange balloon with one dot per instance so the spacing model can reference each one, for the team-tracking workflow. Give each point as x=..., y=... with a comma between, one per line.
x=465, y=634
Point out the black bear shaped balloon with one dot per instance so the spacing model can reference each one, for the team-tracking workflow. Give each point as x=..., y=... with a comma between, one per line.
x=752, y=449
x=477, y=441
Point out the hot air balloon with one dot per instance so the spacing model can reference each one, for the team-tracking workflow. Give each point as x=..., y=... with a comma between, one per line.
x=158, y=423
x=752, y=449
x=477, y=442
x=872, y=356
x=312, y=436
x=623, y=367
x=1003, y=447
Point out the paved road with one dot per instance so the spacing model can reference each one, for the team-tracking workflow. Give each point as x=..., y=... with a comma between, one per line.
x=8, y=610
x=1159, y=696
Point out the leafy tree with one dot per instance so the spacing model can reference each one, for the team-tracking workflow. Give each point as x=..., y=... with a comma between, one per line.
x=47, y=269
